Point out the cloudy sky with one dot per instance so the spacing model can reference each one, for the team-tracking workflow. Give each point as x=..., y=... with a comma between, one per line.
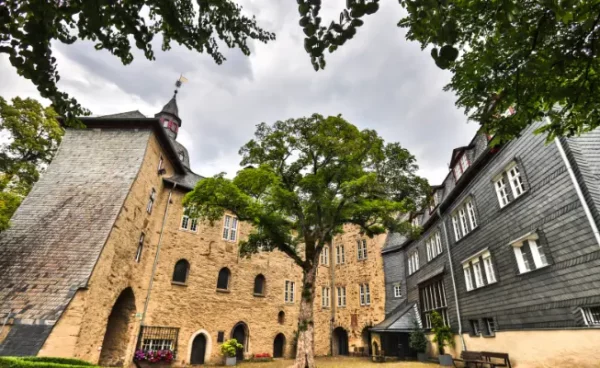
x=378, y=80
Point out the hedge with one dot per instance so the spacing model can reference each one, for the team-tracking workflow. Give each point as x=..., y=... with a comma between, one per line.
x=42, y=362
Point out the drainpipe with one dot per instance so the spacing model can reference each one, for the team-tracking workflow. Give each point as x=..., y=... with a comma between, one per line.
x=584, y=204
x=154, y=265
x=462, y=339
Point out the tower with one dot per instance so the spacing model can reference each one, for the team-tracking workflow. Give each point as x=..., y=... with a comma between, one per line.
x=169, y=115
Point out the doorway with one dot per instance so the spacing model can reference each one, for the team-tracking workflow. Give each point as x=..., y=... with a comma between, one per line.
x=279, y=346
x=240, y=333
x=198, y=349
x=340, y=339
x=118, y=331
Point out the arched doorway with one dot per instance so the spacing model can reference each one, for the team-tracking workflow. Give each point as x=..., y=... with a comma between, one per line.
x=240, y=333
x=340, y=340
x=366, y=340
x=198, y=349
x=279, y=346
x=119, y=329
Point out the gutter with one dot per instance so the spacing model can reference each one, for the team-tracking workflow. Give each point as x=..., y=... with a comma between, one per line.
x=154, y=265
x=584, y=204
x=460, y=332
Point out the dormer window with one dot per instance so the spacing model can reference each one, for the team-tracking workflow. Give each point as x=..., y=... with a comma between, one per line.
x=461, y=166
x=181, y=155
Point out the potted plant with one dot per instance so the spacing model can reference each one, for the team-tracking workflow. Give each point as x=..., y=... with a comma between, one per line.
x=229, y=349
x=442, y=336
x=418, y=342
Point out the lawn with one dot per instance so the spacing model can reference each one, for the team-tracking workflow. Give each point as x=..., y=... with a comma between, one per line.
x=340, y=362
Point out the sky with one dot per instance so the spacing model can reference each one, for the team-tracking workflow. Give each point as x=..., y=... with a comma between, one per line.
x=378, y=80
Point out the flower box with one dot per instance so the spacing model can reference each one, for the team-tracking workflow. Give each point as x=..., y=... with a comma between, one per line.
x=149, y=358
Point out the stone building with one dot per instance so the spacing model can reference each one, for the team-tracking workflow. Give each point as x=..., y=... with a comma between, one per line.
x=509, y=254
x=101, y=260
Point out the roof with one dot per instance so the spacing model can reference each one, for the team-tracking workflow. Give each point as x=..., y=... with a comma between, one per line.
x=187, y=180
x=171, y=109
x=402, y=319
x=136, y=114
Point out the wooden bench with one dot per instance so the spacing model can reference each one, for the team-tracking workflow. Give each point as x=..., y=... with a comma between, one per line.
x=496, y=360
x=472, y=359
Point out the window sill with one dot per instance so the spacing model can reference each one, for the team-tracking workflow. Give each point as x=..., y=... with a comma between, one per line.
x=290, y=303
x=327, y=308
x=531, y=271
x=229, y=241
x=366, y=305
x=434, y=258
x=341, y=306
x=225, y=291
x=362, y=259
x=514, y=200
x=482, y=287
x=256, y=295
x=178, y=283
x=488, y=336
x=188, y=231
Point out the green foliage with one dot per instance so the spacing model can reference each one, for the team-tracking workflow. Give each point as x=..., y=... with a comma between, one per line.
x=29, y=28
x=442, y=334
x=539, y=57
x=33, y=134
x=42, y=362
x=230, y=347
x=305, y=178
x=417, y=339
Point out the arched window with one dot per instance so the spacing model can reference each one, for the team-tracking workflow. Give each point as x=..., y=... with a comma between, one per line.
x=281, y=317
x=180, y=273
x=223, y=280
x=259, y=285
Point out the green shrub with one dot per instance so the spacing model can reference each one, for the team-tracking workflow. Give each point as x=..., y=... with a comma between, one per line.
x=442, y=334
x=34, y=362
x=418, y=341
x=229, y=348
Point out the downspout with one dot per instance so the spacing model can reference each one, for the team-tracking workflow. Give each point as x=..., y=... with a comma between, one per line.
x=154, y=265
x=460, y=333
x=584, y=204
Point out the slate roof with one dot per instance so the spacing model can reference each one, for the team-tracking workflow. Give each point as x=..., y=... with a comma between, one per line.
x=124, y=115
x=187, y=180
x=401, y=320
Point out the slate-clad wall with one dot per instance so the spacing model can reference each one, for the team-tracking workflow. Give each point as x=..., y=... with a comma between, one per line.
x=544, y=298
x=393, y=266
x=59, y=230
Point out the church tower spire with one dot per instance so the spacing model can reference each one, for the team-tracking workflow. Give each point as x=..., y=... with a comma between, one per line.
x=169, y=115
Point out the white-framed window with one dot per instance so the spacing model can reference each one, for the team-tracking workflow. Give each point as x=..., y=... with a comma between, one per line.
x=157, y=344
x=361, y=245
x=436, y=198
x=325, y=256
x=464, y=219
x=140, y=248
x=289, y=291
x=501, y=191
x=413, y=262
x=509, y=177
x=340, y=256
x=415, y=221
x=188, y=223
x=475, y=327
x=151, y=201
x=365, y=294
x=489, y=327
x=230, y=225
x=591, y=315
x=325, y=297
x=479, y=270
x=516, y=181
x=341, y=296
x=461, y=166
x=529, y=253
x=434, y=246
x=468, y=276
x=160, y=164
x=397, y=290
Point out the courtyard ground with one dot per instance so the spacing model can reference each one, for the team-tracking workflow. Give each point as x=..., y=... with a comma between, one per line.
x=340, y=362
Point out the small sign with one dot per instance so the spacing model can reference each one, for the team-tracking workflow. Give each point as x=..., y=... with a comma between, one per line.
x=221, y=336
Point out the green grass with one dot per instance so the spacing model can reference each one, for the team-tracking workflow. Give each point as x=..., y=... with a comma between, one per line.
x=340, y=362
x=42, y=362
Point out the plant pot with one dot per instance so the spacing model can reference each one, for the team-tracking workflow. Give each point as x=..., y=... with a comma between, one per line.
x=422, y=357
x=446, y=360
x=230, y=361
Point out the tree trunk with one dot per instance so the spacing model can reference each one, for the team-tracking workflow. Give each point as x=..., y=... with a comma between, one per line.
x=305, y=351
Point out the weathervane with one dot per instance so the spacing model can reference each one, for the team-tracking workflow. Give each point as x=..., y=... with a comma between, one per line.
x=179, y=82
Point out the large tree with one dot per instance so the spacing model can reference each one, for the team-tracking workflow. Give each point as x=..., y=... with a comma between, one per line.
x=28, y=29
x=303, y=180
x=539, y=57
x=31, y=135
